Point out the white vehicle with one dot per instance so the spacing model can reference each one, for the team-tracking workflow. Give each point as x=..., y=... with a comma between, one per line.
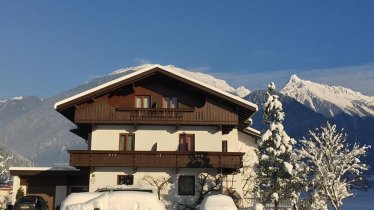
x=121, y=200
x=137, y=188
x=75, y=200
x=81, y=197
x=217, y=202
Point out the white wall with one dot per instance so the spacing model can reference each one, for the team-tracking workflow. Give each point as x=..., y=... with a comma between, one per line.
x=16, y=186
x=246, y=144
x=106, y=137
x=207, y=138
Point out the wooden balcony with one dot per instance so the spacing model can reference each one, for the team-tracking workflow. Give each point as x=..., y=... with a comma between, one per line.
x=159, y=159
x=155, y=114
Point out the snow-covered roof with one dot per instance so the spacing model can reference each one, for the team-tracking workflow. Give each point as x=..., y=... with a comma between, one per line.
x=164, y=69
x=63, y=171
x=252, y=132
x=42, y=169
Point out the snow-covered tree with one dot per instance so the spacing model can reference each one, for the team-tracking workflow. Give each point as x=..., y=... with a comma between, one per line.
x=276, y=164
x=248, y=177
x=160, y=182
x=334, y=165
x=10, y=158
x=4, y=168
x=3, y=202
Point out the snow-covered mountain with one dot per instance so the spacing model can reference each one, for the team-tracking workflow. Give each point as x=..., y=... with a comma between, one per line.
x=329, y=100
x=31, y=127
x=205, y=78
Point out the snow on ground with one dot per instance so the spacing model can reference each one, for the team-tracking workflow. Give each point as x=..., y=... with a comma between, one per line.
x=360, y=201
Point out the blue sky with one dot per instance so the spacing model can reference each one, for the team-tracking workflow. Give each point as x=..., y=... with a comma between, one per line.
x=50, y=46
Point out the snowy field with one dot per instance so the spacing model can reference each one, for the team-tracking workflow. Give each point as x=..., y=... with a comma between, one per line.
x=360, y=201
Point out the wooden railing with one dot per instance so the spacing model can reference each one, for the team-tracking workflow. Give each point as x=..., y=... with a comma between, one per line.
x=155, y=114
x=159, y=159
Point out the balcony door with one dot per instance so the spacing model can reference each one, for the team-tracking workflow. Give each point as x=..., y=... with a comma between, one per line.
x=186, y=142
x=126, y=142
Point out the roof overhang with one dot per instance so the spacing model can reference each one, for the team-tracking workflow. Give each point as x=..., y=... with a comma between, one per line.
x=27, y=171
x=253, y=132
x=139, y=74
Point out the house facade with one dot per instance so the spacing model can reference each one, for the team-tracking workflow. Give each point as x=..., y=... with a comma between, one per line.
x=158, y=123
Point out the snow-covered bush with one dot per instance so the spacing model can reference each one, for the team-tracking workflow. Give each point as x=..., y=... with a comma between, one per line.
x=331, y=160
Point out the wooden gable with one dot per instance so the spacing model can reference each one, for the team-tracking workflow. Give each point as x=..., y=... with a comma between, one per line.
x=194, y=107
x=114, y=103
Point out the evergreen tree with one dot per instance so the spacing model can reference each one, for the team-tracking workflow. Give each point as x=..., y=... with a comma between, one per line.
x=276, y=163
x=20, y=193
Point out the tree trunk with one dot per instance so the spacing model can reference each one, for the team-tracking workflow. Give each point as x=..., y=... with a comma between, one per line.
x=336, y=207
x=294, y=207
x=276, y=205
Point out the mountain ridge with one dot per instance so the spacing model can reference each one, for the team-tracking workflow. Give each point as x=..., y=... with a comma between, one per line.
x=329, y=100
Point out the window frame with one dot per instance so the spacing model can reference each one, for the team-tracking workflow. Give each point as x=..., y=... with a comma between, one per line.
x=182, y=186
x=142, y=101
x=126, y=175
x=169, y=100
x=120, y=145
x=224, y=146
x=188, y=143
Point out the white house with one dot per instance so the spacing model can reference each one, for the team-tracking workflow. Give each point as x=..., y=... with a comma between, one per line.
x=159, y=123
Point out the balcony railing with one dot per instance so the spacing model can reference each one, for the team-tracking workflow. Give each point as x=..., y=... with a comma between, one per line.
x=159, y=159
x=155, y=114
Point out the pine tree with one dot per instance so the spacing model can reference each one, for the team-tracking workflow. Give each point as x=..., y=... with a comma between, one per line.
x=20, y=193
x=276, y=165
x=331, y=160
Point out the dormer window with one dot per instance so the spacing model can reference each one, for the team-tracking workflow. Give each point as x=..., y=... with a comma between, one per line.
x=142, y=101
x=169, y=102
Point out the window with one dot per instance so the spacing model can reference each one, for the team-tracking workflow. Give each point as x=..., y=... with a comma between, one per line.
x=224, y=146
x=142, y=101
x=186, y=185
x=169, y=102
x=126, y=142
x=186, y=142
x=125, y=179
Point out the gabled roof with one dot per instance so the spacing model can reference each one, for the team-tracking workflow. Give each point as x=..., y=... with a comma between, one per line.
x=143, y=73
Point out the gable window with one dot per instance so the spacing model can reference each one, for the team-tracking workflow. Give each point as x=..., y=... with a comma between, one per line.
x=224, y=146
x=125, y=179
x=186, y=185
x=142, y=101
x=169, y=102
x=186, y=142
x=126, y=142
